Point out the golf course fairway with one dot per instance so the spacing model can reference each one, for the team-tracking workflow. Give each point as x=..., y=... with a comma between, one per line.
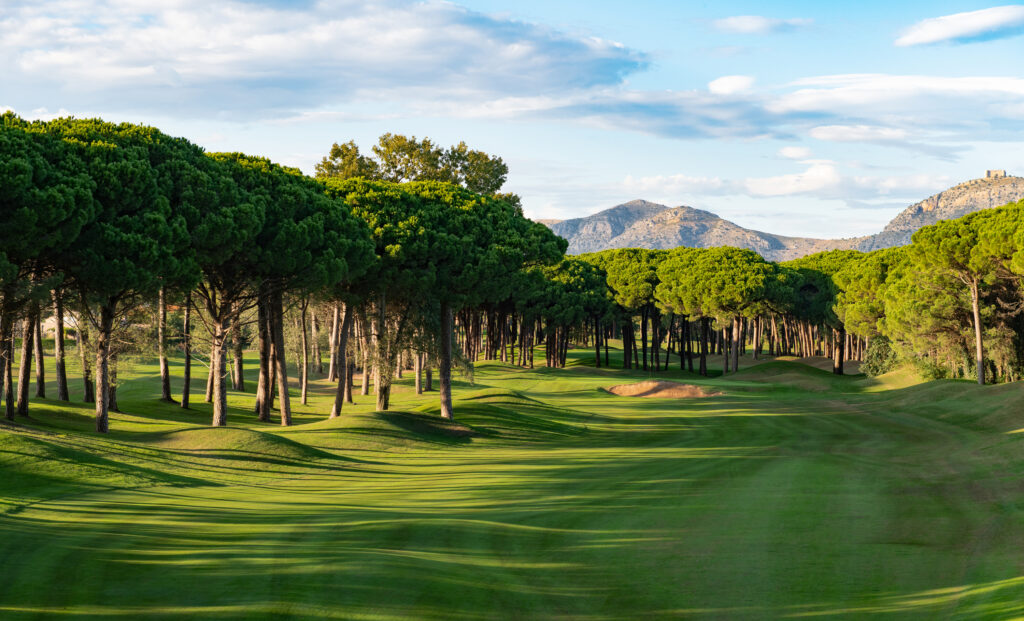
x=788, y=492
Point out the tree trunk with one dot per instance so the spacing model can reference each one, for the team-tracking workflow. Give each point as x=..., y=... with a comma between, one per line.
x=350, y=373
x=264, y=385
x=37, y=327
x=238, y=352
x=606, y=338
x=627, y=353
x=445, y=362
x=343, y=375
x=737, y=338
x=6, y=362
x=564, y=350
x=689, y=343
x=303, y=325
x=58, y=347
x=112, y=384
x=643, y=335
x=161, y=341
x=670, y=343
x=209, y=374
x=277, y=310
x=314, y=327
x=633, y=346
x=102, y=393
x=217, y=362
x=840, y=349
x=684, y=334
x=89, y=394
x=655, y=342
x=383, y=367
x=364, y=345
x=186, y=343
x=703, y=369
x=418, y=371
x=725, y=350
x=332, y=342
x=979, y=351
x=757, y=338
x=25, y=369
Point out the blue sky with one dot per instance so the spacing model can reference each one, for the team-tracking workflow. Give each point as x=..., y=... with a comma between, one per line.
x=800, y=118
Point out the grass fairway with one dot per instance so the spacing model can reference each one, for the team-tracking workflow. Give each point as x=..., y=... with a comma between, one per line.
x=792, y=493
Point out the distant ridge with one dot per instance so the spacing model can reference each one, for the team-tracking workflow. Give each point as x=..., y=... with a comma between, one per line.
x=644, y=224
x=957, y=201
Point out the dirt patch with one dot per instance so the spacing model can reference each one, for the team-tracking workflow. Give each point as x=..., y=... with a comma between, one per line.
x=662, y=389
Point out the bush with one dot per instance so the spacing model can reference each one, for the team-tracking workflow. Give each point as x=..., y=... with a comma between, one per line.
x=879, y=358
x=928, y=369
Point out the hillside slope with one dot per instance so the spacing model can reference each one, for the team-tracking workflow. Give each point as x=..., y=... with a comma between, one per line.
x=649, y=225
x=957, y=201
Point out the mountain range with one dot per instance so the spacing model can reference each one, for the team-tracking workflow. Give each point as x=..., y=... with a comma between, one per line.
x=643, y=224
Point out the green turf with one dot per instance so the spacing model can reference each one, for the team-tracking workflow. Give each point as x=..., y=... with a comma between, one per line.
x=793, y=493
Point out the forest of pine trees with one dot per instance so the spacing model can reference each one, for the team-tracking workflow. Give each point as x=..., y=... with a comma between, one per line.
x=412, y=261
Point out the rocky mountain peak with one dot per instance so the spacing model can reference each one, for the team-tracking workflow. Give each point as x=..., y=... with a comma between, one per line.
x=995, y=189
x=644, y=224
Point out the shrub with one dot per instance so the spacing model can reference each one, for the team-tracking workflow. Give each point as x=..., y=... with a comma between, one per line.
x=880, y=357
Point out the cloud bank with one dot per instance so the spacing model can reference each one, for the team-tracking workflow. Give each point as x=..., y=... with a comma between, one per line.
x=821, y=179
x=244, y=58
x=348, y=60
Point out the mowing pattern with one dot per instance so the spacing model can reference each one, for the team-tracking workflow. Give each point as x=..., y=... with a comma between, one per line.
x=791, y=493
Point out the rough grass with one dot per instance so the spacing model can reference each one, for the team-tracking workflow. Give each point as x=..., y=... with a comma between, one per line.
x=794, y=493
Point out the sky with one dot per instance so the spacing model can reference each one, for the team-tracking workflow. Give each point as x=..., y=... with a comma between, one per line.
x=803, y=118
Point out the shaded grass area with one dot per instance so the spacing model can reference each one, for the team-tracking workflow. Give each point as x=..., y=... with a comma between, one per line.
x=792, y=493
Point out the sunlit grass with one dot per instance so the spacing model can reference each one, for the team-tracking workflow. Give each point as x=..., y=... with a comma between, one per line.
x=792, y=493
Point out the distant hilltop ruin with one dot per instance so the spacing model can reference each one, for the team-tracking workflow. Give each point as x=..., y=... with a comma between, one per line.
x=995, y=174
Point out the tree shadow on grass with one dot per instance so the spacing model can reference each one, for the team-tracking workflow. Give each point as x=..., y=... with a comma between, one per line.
x=428, y=428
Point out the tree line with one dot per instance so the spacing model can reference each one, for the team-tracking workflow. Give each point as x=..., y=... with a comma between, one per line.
x=413, y=258
x=104, y=219
x=950, y=303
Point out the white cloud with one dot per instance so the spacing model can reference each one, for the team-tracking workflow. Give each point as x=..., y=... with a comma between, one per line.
x=933, y=115
x=42, y=114
x=38, y=114
x=996, y=22
x=347, y=61
x=915, y=185
x=824, y=180
x=878, y=92
x=858, y=133
x=237, y=57
x=821, y=179
x=885, y=136
x=757, y=24
x=934, y=111
x=795, y=153
x=671, y=185
x=731, y=84
x=819, y=176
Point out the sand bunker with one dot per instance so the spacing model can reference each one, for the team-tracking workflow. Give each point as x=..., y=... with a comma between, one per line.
x=665, y=390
